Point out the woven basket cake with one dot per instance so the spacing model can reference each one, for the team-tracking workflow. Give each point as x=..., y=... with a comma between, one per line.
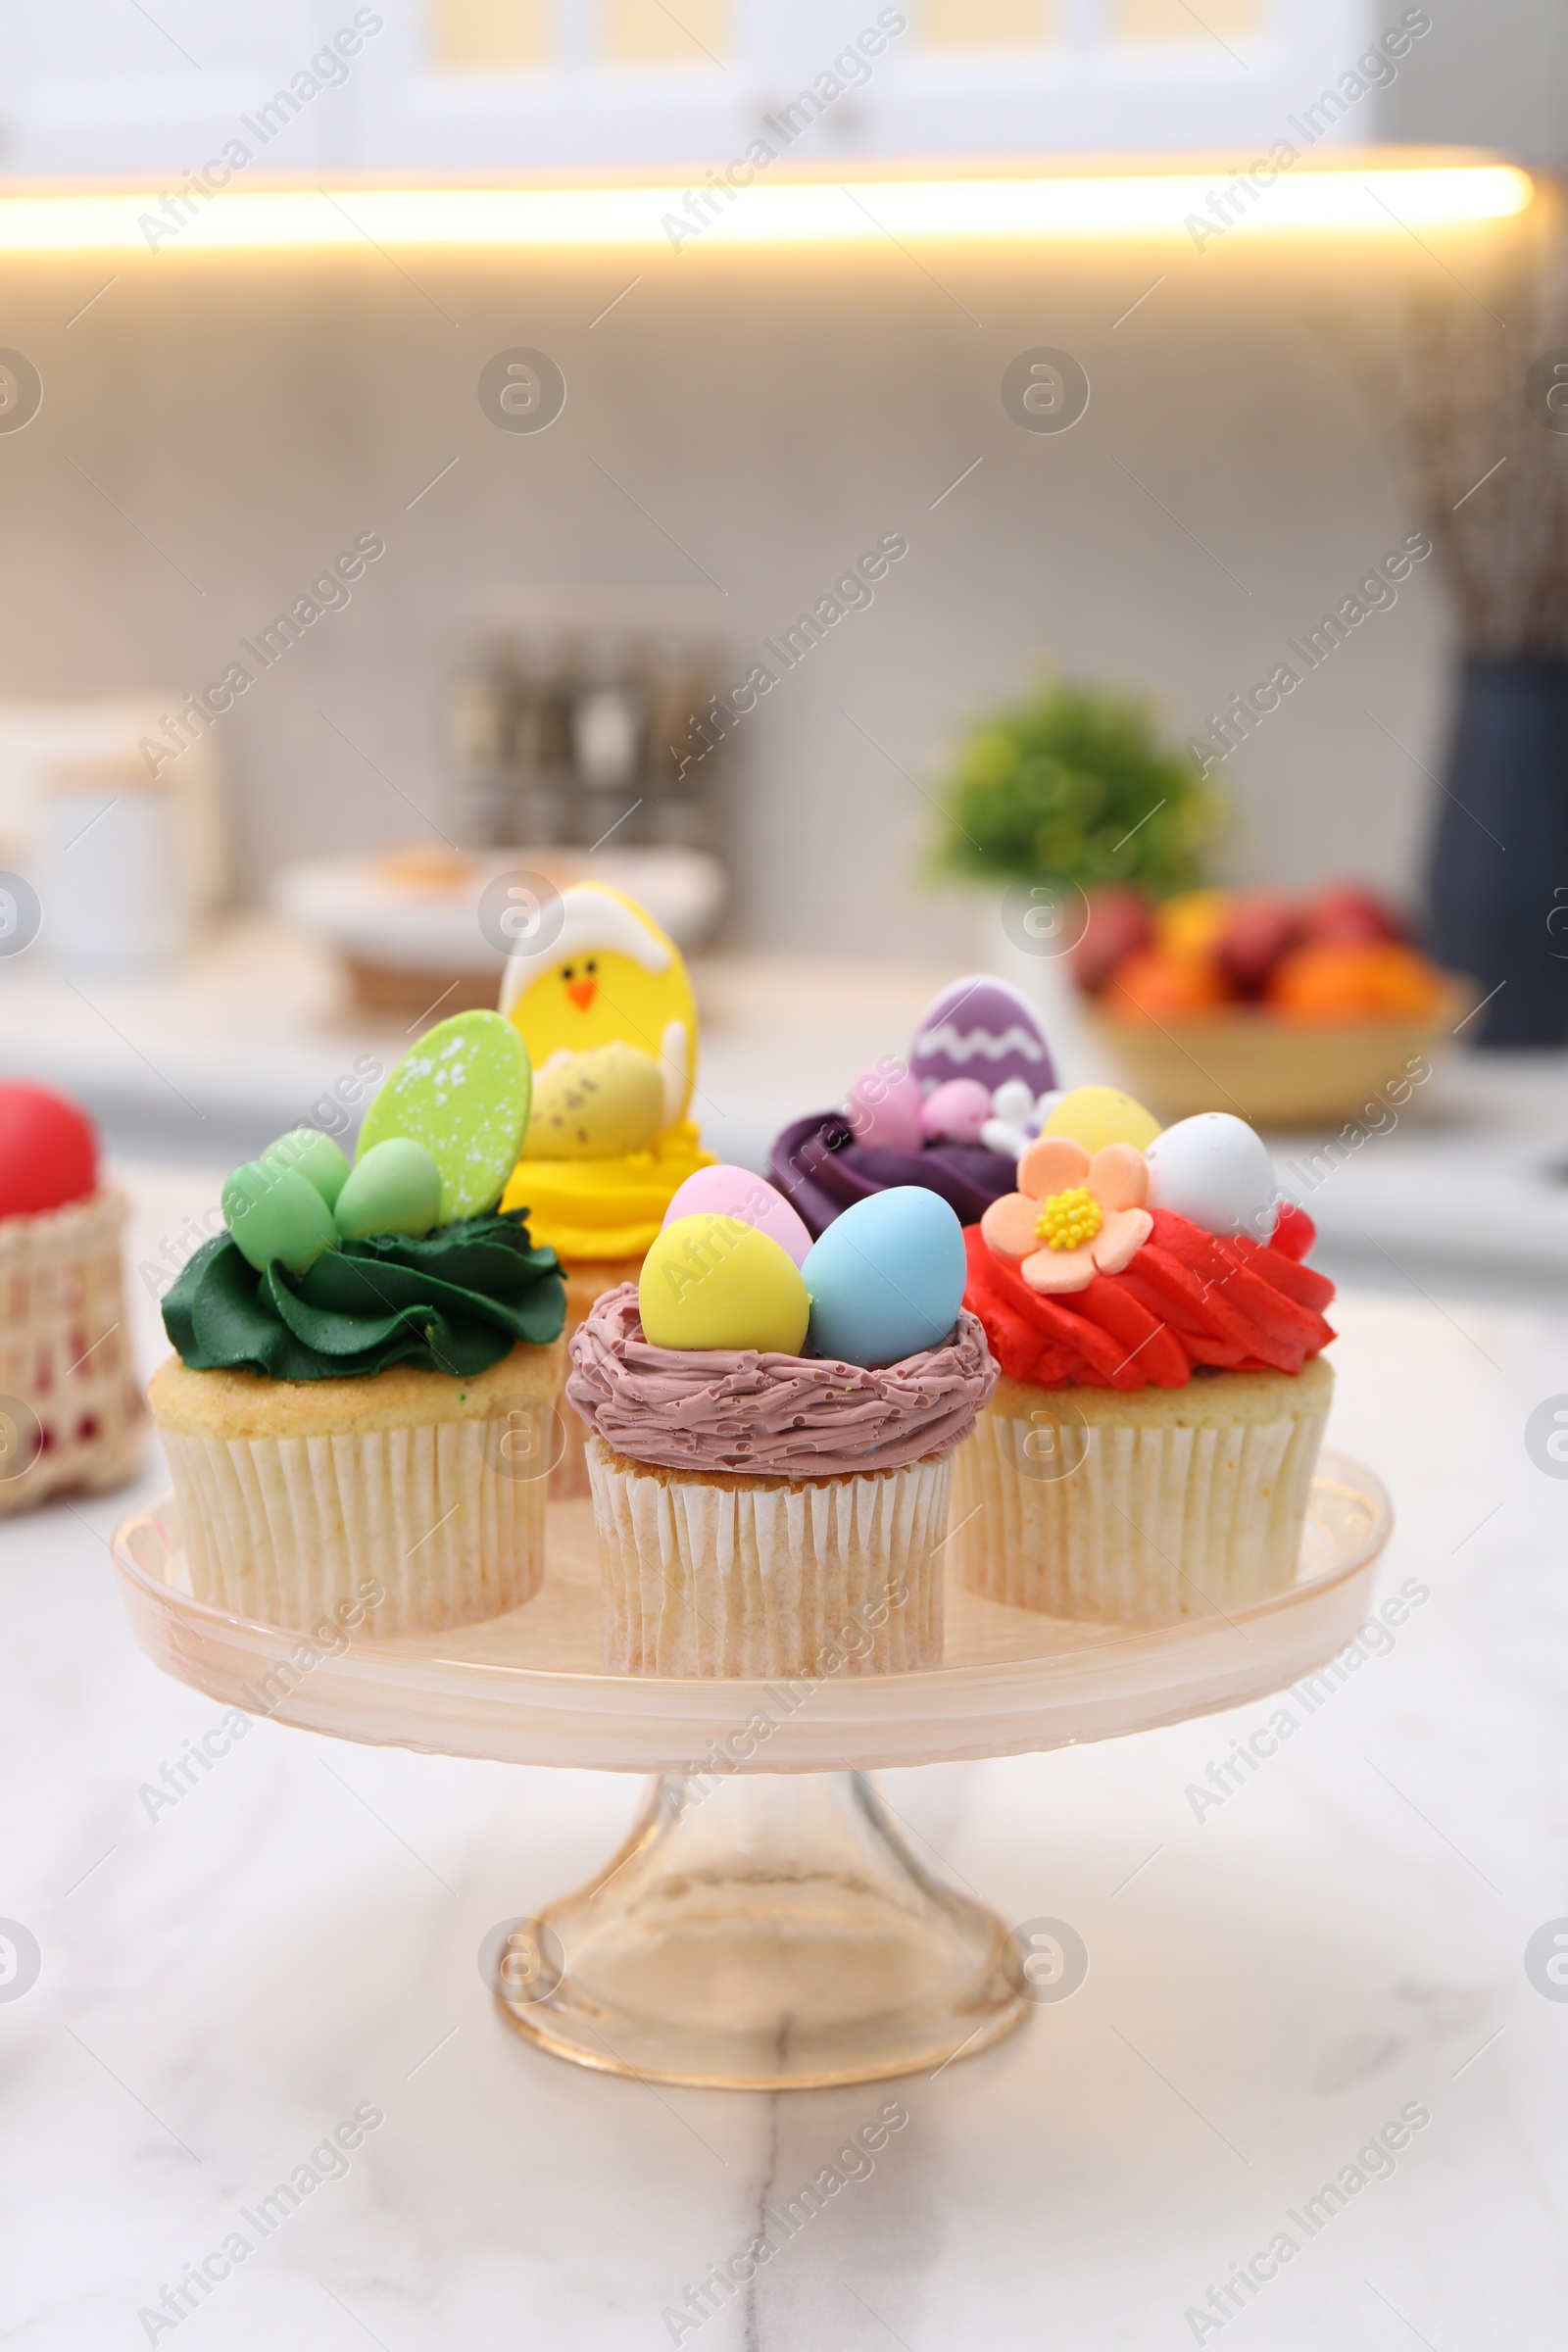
x=70, y=1412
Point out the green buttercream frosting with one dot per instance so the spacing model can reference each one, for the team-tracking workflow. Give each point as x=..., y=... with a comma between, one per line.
x=453, y=1300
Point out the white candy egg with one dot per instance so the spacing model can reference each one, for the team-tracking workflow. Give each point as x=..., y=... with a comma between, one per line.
x=1013, y=1100
x=1215, y=1171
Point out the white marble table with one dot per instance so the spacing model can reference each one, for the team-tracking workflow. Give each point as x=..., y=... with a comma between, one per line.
x=1274, y=1979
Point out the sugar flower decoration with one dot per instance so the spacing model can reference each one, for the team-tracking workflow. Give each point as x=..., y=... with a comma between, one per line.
x=1072, y=1217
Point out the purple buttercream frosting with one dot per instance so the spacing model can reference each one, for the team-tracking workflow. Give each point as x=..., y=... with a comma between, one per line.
x=821, y=1170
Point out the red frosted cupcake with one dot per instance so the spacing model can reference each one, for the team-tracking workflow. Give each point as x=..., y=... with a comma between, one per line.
x=1149, y=1451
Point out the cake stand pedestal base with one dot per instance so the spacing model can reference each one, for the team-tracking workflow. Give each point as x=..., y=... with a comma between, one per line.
x=762, y=1932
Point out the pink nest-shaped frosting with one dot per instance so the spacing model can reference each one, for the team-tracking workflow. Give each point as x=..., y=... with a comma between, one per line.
x=774, y=1416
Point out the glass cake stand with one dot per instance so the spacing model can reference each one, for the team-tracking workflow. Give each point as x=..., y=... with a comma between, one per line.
x=765, y=1927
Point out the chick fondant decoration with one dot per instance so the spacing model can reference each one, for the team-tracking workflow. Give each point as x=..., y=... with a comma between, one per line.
x=608, y=1018
x=611, y=974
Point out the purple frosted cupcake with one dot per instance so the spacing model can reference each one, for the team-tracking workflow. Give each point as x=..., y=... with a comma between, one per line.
x=953, y=1119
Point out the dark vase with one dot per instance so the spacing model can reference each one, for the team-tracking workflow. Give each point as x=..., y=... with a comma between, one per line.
x=1499, y=862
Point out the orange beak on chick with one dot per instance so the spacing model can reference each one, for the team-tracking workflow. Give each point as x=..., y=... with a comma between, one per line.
x=583, y=993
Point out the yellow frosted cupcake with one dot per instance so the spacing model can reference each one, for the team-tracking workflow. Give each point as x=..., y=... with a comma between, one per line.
x=606, y=1012
x=368, y=1360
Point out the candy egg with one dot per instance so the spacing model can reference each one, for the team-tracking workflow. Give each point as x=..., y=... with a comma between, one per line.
x=598, y=1105
x=393, y=1187
x=729, y=1191
x=463, y=1092
x=317, y=1158
x=48, y=1151
x=1097, y=1115
x=985, y=1029
x=955, y=1112
x=715, y=1282
x=886, y=1279
x=273, y=1212
x=1013, y=1100
x=1215, y=1171
x=885, y=1107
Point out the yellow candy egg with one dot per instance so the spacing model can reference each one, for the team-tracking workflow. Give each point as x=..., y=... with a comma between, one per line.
x=711, y=1282
x=598, y=1105
x=1097, y=1115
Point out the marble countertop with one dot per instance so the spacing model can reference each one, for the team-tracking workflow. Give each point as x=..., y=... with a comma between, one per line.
x=1279, y=1973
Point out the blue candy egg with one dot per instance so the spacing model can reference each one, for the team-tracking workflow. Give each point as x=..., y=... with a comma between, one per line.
x=886, y=1279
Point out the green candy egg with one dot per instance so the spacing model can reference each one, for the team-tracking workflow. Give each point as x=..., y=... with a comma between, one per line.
x=463, y=1093
x=273, y=1212
x=597, y=1105
x=393, y=1187
x=314, y=1156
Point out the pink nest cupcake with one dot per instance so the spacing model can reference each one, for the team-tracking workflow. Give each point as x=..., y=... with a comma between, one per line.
x=764, y=1509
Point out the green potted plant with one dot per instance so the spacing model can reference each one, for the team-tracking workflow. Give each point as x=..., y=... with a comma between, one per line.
x=1071, y=782
x=1066, y=789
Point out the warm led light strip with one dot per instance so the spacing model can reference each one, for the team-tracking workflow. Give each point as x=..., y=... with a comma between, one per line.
x=1370, y=198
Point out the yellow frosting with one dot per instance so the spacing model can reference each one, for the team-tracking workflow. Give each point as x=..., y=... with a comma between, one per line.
x=599, y=1208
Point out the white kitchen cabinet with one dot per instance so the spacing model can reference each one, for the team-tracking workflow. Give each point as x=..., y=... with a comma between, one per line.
x=117, y=87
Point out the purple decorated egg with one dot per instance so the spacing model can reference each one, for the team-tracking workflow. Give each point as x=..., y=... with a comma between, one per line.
x=955, y=1112
x=982, y=1029
x=884, y=1108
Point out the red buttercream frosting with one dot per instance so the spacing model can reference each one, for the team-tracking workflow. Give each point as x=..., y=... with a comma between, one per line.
x=1187, y=1299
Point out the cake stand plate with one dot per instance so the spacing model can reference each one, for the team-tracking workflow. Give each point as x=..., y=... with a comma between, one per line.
x=765, y=1927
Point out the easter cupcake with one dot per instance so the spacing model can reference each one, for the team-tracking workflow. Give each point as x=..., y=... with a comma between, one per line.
x=772, y=1428
x=1149, y=1451
x=606, y=1012
x=953, y=1116
x=70, y=1412
x=367, y=1361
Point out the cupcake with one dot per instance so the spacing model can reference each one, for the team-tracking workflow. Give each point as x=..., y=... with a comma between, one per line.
x=367, y=1361
x=953, y=1117
x=1149, y=1451
x=771, y=1442
x=70, y=1412
x=606, y=1012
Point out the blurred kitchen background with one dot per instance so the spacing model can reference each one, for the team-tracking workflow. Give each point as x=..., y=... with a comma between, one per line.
x=516, y=632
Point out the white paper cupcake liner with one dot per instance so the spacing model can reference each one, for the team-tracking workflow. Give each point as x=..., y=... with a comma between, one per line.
x=742, y=1577
x=287, y=1531
x=1141, y=1510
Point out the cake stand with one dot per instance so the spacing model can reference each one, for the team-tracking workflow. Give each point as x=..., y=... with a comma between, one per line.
x=765, y=1927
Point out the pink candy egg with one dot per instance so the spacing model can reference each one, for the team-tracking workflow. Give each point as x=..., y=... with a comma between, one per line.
x=885, y=1109
x=726, y=1192
x=955, y=1112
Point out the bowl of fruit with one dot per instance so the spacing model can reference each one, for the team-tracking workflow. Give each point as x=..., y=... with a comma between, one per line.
x=1292, y=1011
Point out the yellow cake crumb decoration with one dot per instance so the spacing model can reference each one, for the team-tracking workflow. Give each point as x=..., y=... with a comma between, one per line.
x=1069, y=1219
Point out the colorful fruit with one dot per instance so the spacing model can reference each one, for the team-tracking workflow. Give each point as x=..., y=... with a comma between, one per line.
x=1156, y=986
x=1119, y=923
x=1347, y=914
x=1191, y=925
x=1370, y=980
x=1264, y=926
